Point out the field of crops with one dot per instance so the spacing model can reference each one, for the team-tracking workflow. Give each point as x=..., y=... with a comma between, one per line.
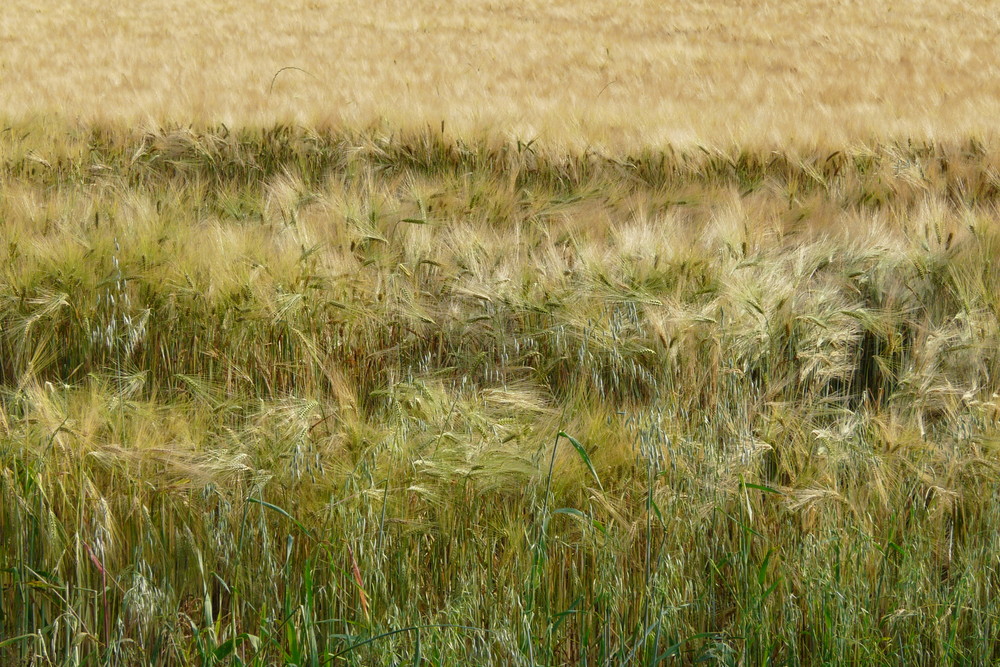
x=499, y=333
x=619, y=75
x=318, y=398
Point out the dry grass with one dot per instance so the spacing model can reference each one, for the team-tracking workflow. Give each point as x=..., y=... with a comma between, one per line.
x=615, y=75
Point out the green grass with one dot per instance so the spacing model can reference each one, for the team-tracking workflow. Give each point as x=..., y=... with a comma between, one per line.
x=305, y=397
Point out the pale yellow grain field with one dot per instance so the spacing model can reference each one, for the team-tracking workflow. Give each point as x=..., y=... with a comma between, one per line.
x=597, y=72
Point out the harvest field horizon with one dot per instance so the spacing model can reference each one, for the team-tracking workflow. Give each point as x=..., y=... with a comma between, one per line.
x=619, y=77
x=499, y=333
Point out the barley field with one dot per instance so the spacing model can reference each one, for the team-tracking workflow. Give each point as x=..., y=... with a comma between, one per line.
x=499, y=333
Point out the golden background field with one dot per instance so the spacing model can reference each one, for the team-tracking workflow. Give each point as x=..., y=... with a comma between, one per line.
x=605, y=73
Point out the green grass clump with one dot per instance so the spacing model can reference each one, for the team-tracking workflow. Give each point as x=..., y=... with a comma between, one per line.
x=299, y=397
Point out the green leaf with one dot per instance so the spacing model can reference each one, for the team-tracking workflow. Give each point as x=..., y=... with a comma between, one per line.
x=762, y=572
x=12, y=640
x=583, y=455
x=675, y=650
x=656, y=510
x=224, y=649
x=563, y=615
x=281, y=512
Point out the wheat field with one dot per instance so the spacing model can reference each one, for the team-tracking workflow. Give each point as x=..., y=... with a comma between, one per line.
x=618, y=75
x=499, y=333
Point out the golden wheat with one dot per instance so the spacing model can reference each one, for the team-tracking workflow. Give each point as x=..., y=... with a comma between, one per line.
x=588, y=72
